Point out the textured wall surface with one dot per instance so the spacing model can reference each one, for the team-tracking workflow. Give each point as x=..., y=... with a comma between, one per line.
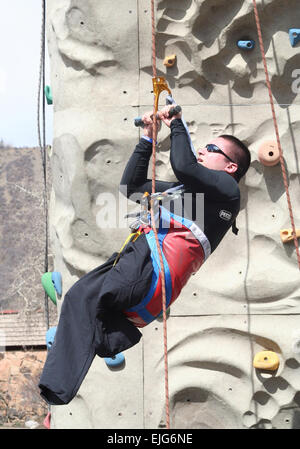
x=246, y=297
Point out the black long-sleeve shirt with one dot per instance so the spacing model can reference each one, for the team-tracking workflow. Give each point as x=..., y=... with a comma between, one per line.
x=221, y=199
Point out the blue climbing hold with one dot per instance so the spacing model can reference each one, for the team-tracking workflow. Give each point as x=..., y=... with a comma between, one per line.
x=246, y=44
x=294, y=34
x=50, y=334
x=115, y=361
x=56, y=279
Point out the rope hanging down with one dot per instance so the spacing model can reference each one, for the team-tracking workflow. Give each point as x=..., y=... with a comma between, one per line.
x=42, y=143
x=153, y=221
x=276, y=129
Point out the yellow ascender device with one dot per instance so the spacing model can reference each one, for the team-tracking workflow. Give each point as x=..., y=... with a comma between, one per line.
x=159, y=85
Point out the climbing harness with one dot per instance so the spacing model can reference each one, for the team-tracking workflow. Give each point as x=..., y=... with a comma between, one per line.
x=131, y=238
x=185, y=248
x=143, y=217
x=259, y=31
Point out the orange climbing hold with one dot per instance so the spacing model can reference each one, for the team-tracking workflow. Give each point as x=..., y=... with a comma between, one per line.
x=268, y=153
x=287, y=235
x=169, y=61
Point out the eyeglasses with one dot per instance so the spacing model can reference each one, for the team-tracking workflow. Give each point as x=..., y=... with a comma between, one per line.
x=214, y=149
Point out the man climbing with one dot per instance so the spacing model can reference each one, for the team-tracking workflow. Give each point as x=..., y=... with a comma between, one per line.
x=215, y=173
x=101, y=312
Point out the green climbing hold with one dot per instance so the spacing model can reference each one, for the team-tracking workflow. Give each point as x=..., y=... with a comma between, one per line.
x=48, y=286
x=48, y=94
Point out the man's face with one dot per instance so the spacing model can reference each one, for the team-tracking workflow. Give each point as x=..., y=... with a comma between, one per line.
x=218, y=161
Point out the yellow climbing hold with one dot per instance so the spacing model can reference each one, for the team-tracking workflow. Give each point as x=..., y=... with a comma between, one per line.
x=169, y=61
x=287, y=235
x=267, y=360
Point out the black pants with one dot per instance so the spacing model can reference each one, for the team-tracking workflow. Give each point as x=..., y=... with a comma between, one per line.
x=91, y=321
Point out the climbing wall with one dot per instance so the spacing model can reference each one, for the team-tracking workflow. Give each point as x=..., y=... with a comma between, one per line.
x=245, y=299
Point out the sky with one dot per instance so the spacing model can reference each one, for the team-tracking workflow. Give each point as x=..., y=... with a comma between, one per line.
x=20, y=43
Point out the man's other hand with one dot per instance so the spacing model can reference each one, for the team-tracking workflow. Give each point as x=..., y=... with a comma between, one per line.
x=148, y=124
x=163, y=114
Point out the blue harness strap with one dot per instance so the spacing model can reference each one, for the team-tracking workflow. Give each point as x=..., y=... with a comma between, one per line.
x=141, y=307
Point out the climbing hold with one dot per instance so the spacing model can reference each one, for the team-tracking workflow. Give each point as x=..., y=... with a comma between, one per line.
x=169, y=61
x=246, y=44
x=139, y=122
x=47, y=421
x=294, y=34
x=56, y=279
x=49, y=286
x=48, y=95
x=50, y=334
x=268, y=153
x=267, y=360
x=115, y=361
x=51, y=282
x=287, y=235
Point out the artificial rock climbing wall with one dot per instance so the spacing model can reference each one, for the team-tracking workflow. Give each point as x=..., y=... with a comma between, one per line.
x=245, y=299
